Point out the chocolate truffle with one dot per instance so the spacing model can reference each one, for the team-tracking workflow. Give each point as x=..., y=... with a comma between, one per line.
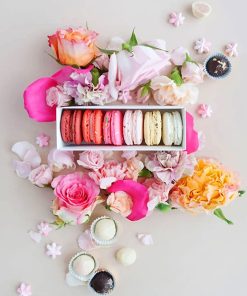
x=217, y=66
x=126, y=256
x=102, y=282
x=104, y=230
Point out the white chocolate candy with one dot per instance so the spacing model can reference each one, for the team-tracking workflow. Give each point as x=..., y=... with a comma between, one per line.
x=126, y=256
x=83, y=265
x=105, y=229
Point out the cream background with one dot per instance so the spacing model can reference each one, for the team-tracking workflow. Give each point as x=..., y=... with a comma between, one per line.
x=192, y=255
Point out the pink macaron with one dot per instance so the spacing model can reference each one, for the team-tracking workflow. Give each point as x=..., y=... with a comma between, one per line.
x=133, y=127
x=127, y=127
x=117, y=128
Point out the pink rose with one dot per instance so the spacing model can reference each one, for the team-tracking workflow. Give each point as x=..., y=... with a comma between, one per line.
x=109, y=173
x=41, y=176
x=120, y=202
x=56, y=97
x=192, y=72
x=158, y=192
x=169, y=166
x=138, y=194
x=76, y=197
x=92, y=160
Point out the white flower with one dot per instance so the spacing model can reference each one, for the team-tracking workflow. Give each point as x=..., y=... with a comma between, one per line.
x=53, y=250
x=202, y=46
x=145, y=239
x=231, y=49
x=24, y=290
x=44, y=228
x=176, y=19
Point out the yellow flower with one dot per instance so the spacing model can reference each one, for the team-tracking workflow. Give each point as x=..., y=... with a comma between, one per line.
x=210, y=187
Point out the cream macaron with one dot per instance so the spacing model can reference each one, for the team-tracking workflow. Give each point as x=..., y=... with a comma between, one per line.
x=178, y=128
x=152, y=128
x=167, y=128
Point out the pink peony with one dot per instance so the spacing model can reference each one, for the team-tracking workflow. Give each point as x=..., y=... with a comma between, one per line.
x=120, y=202
x=56, y=97
x=158, y=192
x=139, y=195
x=76, y=197
x=92, y=160
x=41, y=176
x=192, y=72
x=109, y=173
x=169, y=166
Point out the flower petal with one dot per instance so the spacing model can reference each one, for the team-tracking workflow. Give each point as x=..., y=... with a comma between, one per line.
x=192, y=142
x=85, y=241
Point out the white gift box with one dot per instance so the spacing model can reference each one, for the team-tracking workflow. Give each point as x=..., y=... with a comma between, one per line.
x=85, y=146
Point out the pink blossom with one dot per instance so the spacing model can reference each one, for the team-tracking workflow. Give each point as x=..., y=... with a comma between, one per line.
x=176, y=19
x=204, y=110
x=76, y=197
x=53, y=250
x=178, y=56
x=202, y=46
x=192, y=73
x=138, y=194
x=41, y=176
x=59, y=160
x=42, y=140
x=56, y=97
x=169, y=166
x=231, y=49
x=92, y=160
x=158, y=192
x=120, y=202
x=24, y=290
x=109, y=173
x=44, y=228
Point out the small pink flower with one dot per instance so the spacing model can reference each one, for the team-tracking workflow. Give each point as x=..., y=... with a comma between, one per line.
x=138, y=194
x=231, y=49
x=44, y=228
x=42, y=140
x=120, y=202
x=109, y=173
x=24, y=290
x=192, y=73
x=41, y=176
x=204, y=110
x=53, y=250
x=176, y=19
x=202, y=46
x=92, y=160
x=56, y=97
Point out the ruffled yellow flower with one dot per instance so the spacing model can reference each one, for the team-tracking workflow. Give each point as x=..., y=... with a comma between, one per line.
x=210, y=187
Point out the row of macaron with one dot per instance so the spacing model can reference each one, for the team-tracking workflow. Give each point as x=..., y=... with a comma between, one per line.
x=83, y=266
x=114, y=127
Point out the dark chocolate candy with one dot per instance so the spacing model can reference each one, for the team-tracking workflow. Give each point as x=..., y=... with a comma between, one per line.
x=217, y=66
x=102, y=282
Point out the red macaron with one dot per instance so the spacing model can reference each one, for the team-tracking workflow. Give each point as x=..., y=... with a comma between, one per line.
x=86, y=125
x=65, y=125
x=77, y=127
x=98, y=127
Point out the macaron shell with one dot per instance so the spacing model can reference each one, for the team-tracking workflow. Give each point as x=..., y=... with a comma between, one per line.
x=128, y=127
x=137, y=130
x=107, y=128
x=148, y=128
x=65, y=126
x=86, y=125
x=92, y=127
x=77, y=127
x=178, y=128
x=117, y=128
x=98, y=127
x=156, y=123
x=168, y=128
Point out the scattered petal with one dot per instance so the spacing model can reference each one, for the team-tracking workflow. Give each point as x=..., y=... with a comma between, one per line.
x=24, y=290
x=231, y=49
x=42, y=140
x=59, y=160
x=176, y=19
x=44, y=228
x=85, y=241
x=145, y=239
x=35, y=236
x=202, y=140
x=22, y=168
x=53, y=250
x=201, y=45
x=72, y=281
x=129, y=154
x=204, y=111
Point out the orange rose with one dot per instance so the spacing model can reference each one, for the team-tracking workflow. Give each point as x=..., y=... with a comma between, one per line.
x=74, y=46
x=209, y=188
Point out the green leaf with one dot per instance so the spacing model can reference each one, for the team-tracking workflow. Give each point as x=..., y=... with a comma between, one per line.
x=107, y=51
x=145, y=173
x=163, y=207
x=219, y=213
x=241, y=193
x=108, y=207
x=145, y=89
x=95, y=76
x=176, y=76
x=153, y=47
x=133, y=40
x=127, y=46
